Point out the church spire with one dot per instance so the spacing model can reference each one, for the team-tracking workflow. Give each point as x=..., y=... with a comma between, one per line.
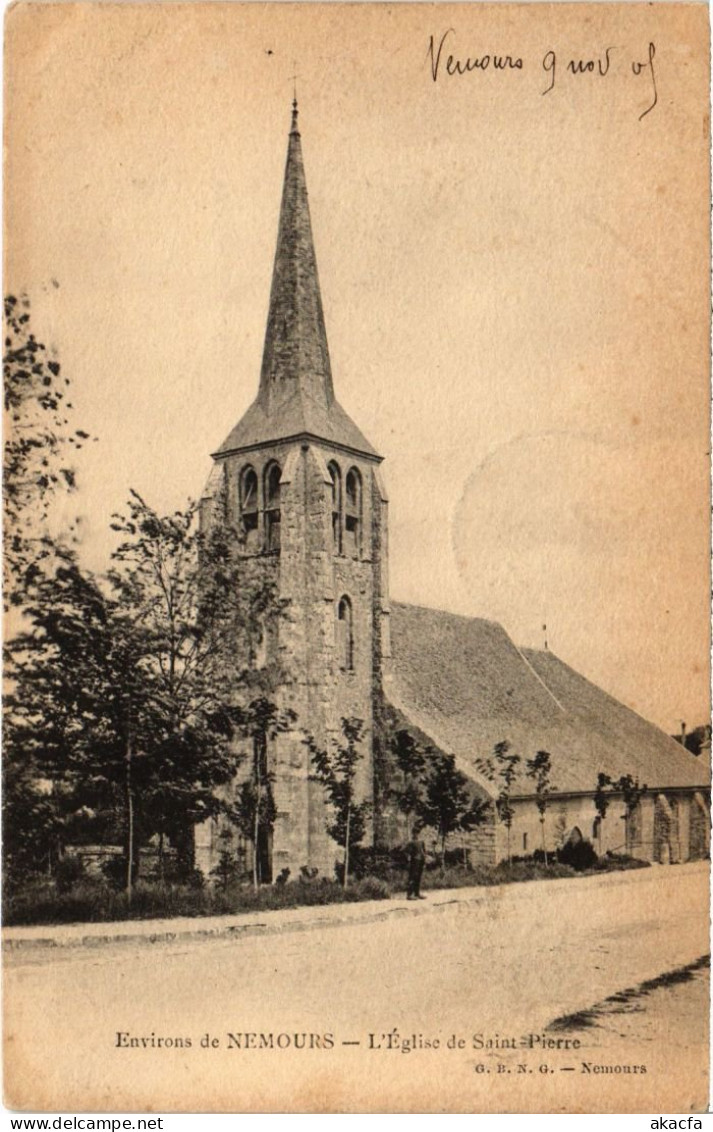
x=296, y=395
x=296, y=356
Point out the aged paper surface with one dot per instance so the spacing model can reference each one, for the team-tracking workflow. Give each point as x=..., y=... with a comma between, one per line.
x=510, y=213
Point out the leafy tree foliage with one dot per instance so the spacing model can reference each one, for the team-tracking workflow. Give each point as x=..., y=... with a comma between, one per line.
x=336, y=770
x=448, y=805
x=601, y=800
x=410, y=758
x=31, y=827
x=501, y=770
x=197, y=616
x=540, y=769
x=602, y=794
x=37, y=442
x=253, y=812
x=695, y=739
x=64, y=718
x=631, y=792
x=126, y=694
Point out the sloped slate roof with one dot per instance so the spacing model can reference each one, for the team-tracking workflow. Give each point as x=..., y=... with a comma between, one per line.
x=299, y=416
x=464, y=683
x=296, y=393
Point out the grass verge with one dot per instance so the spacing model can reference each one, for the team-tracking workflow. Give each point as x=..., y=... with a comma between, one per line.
x=94, y=900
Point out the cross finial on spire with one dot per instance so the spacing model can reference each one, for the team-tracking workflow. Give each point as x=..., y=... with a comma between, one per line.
x=293, y=129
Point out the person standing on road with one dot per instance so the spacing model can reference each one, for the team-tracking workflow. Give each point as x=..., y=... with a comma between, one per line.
x=416, y=857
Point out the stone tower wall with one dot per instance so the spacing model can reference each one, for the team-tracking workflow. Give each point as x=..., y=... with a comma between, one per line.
x=312, y=576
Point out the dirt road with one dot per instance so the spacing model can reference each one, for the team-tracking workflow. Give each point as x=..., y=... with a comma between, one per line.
x=319, y=1020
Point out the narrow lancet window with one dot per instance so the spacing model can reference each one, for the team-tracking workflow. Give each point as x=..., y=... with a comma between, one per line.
x=345, y=635
x=352, y=517
x=336, y=506
x=249, y=513
x=273, y=474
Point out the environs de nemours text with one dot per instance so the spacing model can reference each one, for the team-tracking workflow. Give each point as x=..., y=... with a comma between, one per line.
x=389, y=1040
x=512, y=1052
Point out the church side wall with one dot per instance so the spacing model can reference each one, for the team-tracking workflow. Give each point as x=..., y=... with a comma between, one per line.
x=668, y=827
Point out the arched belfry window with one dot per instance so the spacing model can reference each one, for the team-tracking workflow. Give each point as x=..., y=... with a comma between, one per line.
x=352, y=514
x=249, y=512
x=345, y=635
x=336, y=506
x=273, y=474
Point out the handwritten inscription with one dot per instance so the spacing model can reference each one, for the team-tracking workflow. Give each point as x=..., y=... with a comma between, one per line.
x=463, y=66
x=445, y=64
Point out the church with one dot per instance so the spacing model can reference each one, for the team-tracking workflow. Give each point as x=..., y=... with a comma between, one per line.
x=305, y=487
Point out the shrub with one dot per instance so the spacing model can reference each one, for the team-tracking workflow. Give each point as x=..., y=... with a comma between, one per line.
x=68, y=872
x=617, y=862
x=456, y=858
x=579, y=855
x=370, y=888
x=93, y=899
x=114, y=869
x=535, y=870
x=226, y=870
x=195, y=879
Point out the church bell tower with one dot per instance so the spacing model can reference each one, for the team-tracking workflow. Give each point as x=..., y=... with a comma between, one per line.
x=303, y=486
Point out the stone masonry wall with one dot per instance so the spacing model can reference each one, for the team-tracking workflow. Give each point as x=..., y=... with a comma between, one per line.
x=312, y=577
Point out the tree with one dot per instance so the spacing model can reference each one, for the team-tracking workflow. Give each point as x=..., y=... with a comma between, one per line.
x=448, y=805
x=254, y=810
x=695, y=739
x=501, y=770
x=601, y=801
x=126, y=693
x=410, y=758
x=632, y=794
x=37, y=441
x=336, y=771
x=197, y=614
x=226, y=869
x=65, y=715
x=32, y=828
x=540, y=769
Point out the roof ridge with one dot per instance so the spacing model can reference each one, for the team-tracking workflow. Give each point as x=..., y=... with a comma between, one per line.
x=450, y=613
x=609, y=696
x=537, y=676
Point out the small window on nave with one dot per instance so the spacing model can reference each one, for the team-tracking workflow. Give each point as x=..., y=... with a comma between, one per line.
x=336, y=506
x=273, y=474
x=249, y=513
x=352, y=517
x=345, y=635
